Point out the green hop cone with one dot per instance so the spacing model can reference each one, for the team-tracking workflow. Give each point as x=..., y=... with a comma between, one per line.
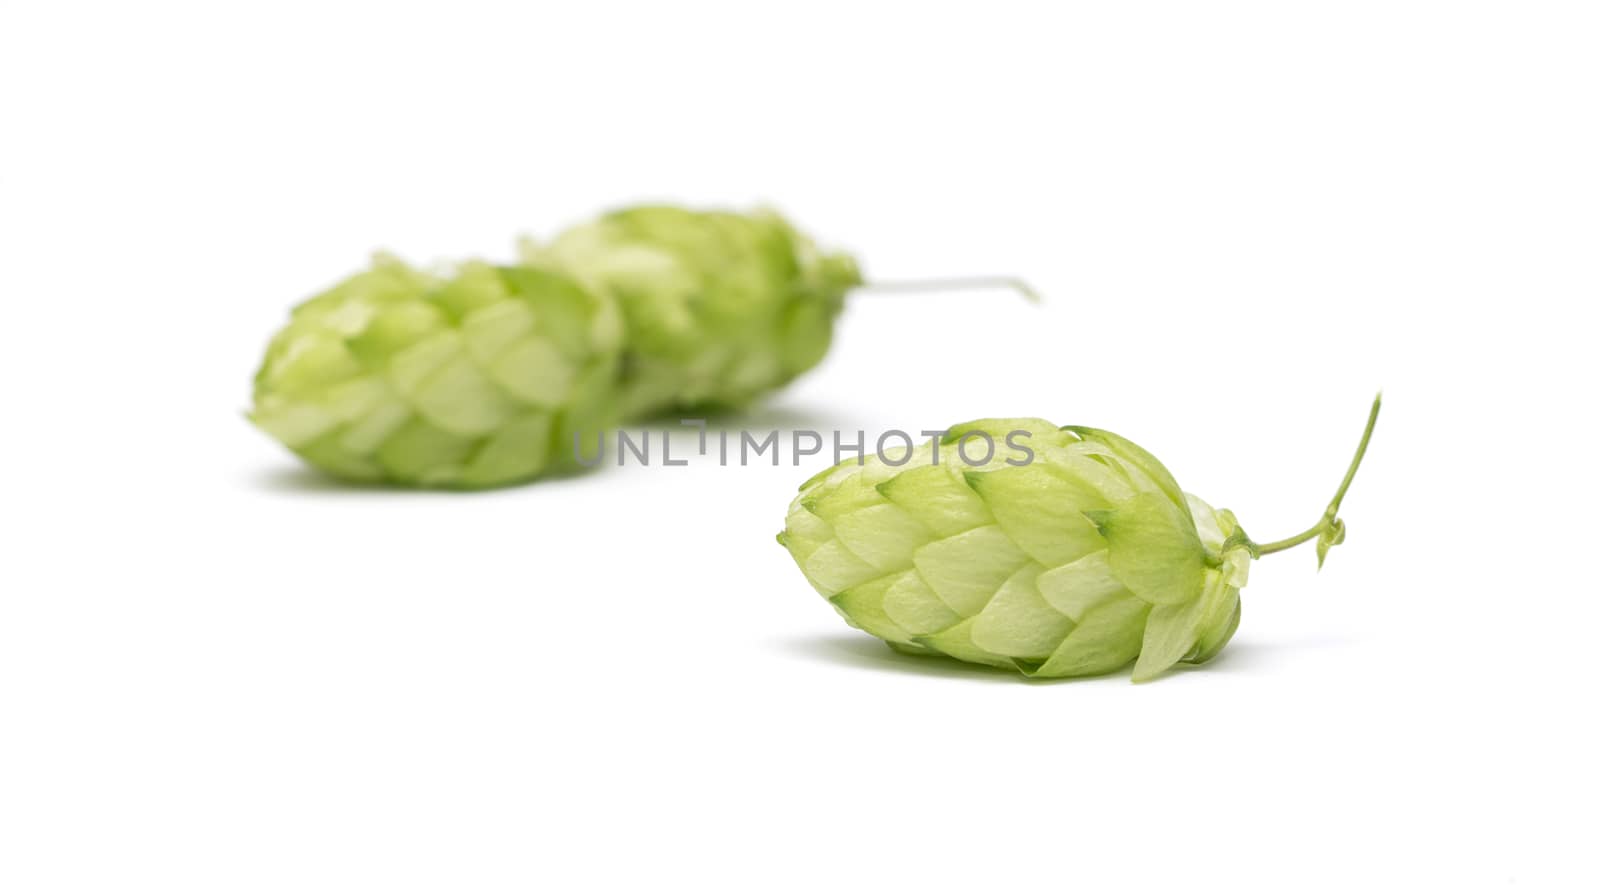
x=720, y=307
x=473, y=378
x=1084, y=559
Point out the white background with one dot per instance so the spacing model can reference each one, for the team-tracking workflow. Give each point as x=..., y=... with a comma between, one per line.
x=217, y=669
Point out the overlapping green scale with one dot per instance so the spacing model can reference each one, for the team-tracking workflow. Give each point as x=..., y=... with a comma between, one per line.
x=473, y=378
x=721, y=307
x=1084, y=560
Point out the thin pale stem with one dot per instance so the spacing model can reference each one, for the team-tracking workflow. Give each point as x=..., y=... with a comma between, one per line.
x=1292, y=541
x=1331, y=515
x=935, y=284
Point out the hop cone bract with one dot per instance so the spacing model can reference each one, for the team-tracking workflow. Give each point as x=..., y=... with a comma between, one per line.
x=474, y=378
x=1085, y=559
x=720, y=307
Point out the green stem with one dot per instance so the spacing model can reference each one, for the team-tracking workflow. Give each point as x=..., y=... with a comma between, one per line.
x=934, y=284
x=1292, y=541
x=1331, y=515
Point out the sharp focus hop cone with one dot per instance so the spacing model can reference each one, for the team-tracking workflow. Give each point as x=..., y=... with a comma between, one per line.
x=475, y=378
x=1083, y=560
x=720, y=307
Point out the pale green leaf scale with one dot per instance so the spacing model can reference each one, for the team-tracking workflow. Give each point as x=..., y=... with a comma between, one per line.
x=410, y=369
x=1108, y=638
x=801, y=548
x=1171, y=632
x=388, y=280
x=535, y=372
x=882, y=535
x=1080, y=586
x=876, y=471
x=1174, y=630
x=519, y=447
x=1098, y=467
x=293, y=423
x=802, y=524
x=444, y=474
x=311, y=362
x=1236, y=567
x=917, y=608
x=1153, y=549
x=1137, y=458
x=957, y=642
x=1226, y=521
x=843, y=497
x=329, y=450
x=805, y=333
x=1219, y=632
x=606, y=330
x=834, y=567
x=616, y=264
x=489, y=331
x=459, y=398
x=1018, y=622
x=474, y=287
x=938, y=497
x=1042, y=512
x=751, y=369
x=352, y=400
x=863, y=608
x=348, y=319
x=395, y=327
x=829, y=477
x=417, y=447
x=1206, y=524
x=965, y=570
x=565, y=312
x=365, y=435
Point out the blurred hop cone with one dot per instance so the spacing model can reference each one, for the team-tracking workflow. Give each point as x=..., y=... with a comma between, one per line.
x=476, y=377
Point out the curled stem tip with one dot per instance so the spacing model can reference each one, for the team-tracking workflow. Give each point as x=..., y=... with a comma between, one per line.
x=1329, y=531
x=935, y=284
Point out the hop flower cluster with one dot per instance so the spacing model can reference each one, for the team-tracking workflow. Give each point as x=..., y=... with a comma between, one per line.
x=721, y=308
x=484, y=375
x=1083, y=560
